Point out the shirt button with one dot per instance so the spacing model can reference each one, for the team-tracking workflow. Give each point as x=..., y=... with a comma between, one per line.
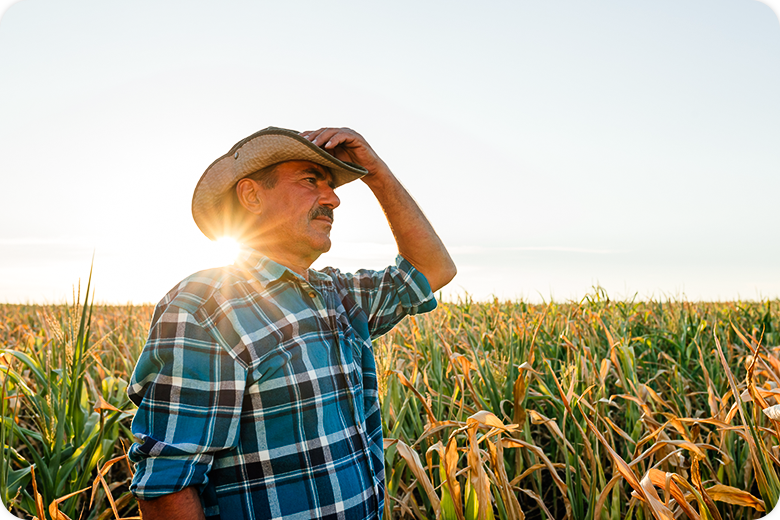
x=312, y=294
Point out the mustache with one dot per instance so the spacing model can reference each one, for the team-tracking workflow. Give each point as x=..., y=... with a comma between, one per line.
x=321, y=211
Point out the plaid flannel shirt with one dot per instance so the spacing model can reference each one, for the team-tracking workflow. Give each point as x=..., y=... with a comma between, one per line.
x=260, y=389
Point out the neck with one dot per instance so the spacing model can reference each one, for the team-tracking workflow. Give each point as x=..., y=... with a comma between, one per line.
x=289, y=259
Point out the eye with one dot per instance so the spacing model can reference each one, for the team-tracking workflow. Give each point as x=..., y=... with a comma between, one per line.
x=312, y=180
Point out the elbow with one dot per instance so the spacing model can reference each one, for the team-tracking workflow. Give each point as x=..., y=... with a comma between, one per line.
x=444, y=276
x=450, y=273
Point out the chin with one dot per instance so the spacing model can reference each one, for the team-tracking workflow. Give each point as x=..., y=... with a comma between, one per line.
x=321, y=246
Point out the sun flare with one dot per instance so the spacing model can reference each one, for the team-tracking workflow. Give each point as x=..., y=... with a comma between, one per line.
x=224, y=251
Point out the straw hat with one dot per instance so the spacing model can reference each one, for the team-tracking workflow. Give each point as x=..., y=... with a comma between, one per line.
x=264, y=148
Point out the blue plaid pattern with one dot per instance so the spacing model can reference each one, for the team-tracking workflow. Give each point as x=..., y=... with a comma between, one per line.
x=260, y=389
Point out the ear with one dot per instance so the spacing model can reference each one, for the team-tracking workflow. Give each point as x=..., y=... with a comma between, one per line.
x=249, y=195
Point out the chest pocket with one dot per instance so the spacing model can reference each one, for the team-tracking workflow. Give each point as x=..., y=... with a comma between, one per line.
x=269, y=359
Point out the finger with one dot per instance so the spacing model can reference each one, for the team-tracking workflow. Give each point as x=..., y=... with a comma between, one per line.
x=330, y=137
x=321, y=136
x=312, y=134
x=344, y=137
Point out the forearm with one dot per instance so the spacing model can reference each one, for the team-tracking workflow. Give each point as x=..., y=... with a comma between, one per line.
x=415, y=237
x=182, y=505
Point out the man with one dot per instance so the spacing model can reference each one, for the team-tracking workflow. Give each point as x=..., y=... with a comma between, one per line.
x=257, y=388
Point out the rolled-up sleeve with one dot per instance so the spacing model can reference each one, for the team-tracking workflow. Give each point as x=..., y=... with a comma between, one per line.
x=390, y=294
x=189, y=392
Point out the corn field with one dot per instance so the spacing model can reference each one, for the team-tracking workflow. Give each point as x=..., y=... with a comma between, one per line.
x=594, y=410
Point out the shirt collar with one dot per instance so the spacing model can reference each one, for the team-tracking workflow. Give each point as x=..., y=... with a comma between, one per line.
x=266, y=271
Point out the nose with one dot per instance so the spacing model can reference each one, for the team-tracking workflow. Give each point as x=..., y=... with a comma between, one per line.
x=329, y=198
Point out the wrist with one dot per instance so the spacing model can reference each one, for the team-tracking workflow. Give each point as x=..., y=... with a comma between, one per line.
x=380, y=178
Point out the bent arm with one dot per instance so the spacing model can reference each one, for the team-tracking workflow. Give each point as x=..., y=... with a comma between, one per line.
x=186, y=413
x=182, y=505
x=416, y=239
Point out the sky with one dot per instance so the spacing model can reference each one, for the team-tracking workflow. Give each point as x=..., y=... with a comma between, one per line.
x=556, y=146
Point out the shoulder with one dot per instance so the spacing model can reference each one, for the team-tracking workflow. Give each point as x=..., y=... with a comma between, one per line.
x=194, y=292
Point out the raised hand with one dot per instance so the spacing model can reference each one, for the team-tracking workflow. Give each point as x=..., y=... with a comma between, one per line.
x=416, y=239
x=347, y=145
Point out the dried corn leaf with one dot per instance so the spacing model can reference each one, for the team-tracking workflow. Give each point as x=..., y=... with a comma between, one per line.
x=552, y=425
x=604, y=494
x=38, y=498
x=712, y=401
x=448, y=511
x=415, y=465
x=449, y=460
x=550, y=466
x=410, y=386
x=54, y=510
x=532, y=469
x=773, y=412
x=121, y=502
x=513, y=509
x=101, y=405
x=653, y=501
x=691, y=447
x=606, y=364
x=100, y=480
x=665, y=480
x=654, y=396
x=738, y=497
x=617, y=430
x=485, y=418
x=478, y=480
x=518, y=395
x=538, y=501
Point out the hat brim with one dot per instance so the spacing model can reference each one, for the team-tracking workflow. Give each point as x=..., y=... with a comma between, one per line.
x=261, y=149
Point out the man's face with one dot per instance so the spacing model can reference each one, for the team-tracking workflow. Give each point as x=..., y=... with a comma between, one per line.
x=297, y=212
